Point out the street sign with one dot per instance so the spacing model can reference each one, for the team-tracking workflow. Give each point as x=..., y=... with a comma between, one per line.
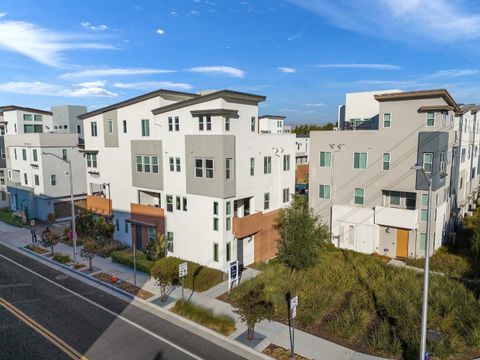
x=232, y=273
x=293, y=306
x=183, y=269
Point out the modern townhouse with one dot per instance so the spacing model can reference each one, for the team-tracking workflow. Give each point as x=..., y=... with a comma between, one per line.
x=193, y=167
x=65, y=119
x=38, y=173
x=271, y=124
x=301, y=154
x=362, y=183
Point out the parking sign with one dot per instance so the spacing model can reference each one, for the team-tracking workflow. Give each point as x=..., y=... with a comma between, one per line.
x=293, y=306
x=183, y=269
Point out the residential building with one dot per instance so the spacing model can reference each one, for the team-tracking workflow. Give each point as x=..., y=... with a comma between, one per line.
x=193, y=167
x=65, y=119
x=271, y=124
x=362, y=184
x=38, y=180
x=301, y=155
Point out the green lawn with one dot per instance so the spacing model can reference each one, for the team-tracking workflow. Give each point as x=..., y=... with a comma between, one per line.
x=360, y=302
x=7, y=217
x=125, y=257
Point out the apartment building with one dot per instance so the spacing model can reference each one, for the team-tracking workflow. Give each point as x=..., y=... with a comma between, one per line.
x=38, y=177
x=301, y=155
x=271, y=124
x=65, y=119
x=191, y=166
x=362, y=184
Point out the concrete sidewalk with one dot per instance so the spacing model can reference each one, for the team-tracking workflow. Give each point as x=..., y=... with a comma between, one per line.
x=266, y=332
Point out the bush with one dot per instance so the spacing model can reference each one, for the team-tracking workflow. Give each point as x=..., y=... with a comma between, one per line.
x=125, y=257
x=106, y=250
x=62, y=258
x=220, y=323
x=8, y=217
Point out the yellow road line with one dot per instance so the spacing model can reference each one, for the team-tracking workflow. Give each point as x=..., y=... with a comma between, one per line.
x=55, y=340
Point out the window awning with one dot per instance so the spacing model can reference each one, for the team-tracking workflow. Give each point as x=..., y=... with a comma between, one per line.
x=141, y=223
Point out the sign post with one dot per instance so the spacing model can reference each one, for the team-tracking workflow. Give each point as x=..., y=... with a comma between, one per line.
x=293, y=315
x=232, y=274
x=182, y=272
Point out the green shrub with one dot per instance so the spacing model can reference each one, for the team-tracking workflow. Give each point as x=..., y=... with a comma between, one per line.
x=8, y=217
x=384, y=339
x=125, y=257
x=62, y=258
x=220, y=323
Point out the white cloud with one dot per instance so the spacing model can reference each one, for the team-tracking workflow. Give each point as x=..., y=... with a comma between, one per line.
x=101, y=72
x=295, y=37
x=2, y=14
x=173, y=13
x=88, y=89
x=287, y=70
x=42, y=45
x=89, y=26
x=193, y=13
x=315, y=105
x=98, y=83
x=361, y=66
x=225, y=70
x=151, y=85
x=160, y=31
x=454, y=73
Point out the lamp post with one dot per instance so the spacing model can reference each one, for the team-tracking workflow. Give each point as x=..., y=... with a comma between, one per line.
x=74, y=230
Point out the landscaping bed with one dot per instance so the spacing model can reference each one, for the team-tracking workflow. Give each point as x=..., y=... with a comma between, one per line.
x=220, y=323
x=62, y=258
x=124, y=285
x=8, y=217
x=280, y=353
x=125, y=257
x=37, y=249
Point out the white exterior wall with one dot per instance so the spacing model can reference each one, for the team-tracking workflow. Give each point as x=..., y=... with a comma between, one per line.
x=362, y=105
x=271, y=125
x=15, y=121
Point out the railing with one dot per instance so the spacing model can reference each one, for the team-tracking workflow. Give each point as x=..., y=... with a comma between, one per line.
x=247, y=225
x=99, y=205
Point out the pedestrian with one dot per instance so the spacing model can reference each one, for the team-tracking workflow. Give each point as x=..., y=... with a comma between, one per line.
x=34, y=235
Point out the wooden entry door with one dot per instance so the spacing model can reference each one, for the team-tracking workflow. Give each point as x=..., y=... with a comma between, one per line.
x=402, y=243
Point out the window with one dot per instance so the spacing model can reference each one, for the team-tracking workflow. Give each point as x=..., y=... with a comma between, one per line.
x=177, y=123
x=169, y=241
x=145, y=127
x=360, y=160
x=324, y=192
x=169, y=203
x=228, y=208
x=443, y=159
x=126, y=227
x=124, y=125
x=215, y=208
x=53, y=180
x=24, y=154
x=387, y=120
x=430, y=118
x=2, y=153
x=65, y=126
x=64, y=154
x=117, y=225
x=110, y=126
x=215, y=252
x=286, y=195
x=394, y=198
x=184, y=203
x=228, y=251
x=170, y=124
x=171, y=161
x=2, y=177
x=29, y=129
x=422, y=240
x=200, y=123
x=359, y=196
x=253, y=121
x=15, y=153
x=286, y=162
x=147, y=164
x=325, y=159
x=178, y=203
x=79, y=129
x=266, y=201
x=151, y=233
x=227, y=124
x=215, y=224
x=25, y=178
x=155, y=164
x=37, y=117
x=4, y=195
x=228, y=168
x=424, y=209
x=177, y=164
x=27, y=117
x=209, y=168
x=386, y=161
x=267, y=165
x=92, y=161
x=411, y=201
x=208, y=122
x=198, y=168
x=252, y=166
x=428, y=162
x=93, y=128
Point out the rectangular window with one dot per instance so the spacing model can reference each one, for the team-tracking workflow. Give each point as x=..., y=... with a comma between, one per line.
x=117, y=225
x=124, y=122
x=215, y=224
x=411, y=201
x=286, y=162
x=154, y=164
x=171, y=161
x=170, y=241
x=169, y=203
x=229, y=252
x=24, y=154
x=286, y=195
x=422, y=240
x=110, y=126
x=394, y=198
x=266, y=201
x=53, y=180
x=200, y=123
x=15, y=153
x=428, y=162
x=2, y=153
x=387, y=120
x=209, y=168
x=64, y=154
x=253, y=122
x=198, y=167
x=360, y=160
x=126, y=227
x=424, y=215
x=37, y=117
x=27, y=117
x=25, y=178
x=267, y=165
x=93, y=128
x=430, y=118
x=151, y=233
x=386, y=161
x=2, y=177
x=177, y=123
x=325, y=159
x=228, y=168
x=252, y=166
x=170, y=124
x=79, y=129
x=208, y=121
x=92, y=161
x=177, y=164
x=215, y=208
x=146, y=164
x=178, y=203
x=424, y=209
x=215, y=252
x=145, y=127
x=443, y=160
x=324, y=192
x=184, y=203
x=227, y=124
x=359, y=196
x=228, y=208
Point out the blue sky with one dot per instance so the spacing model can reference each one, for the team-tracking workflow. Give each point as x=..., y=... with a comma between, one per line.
x=302, y=54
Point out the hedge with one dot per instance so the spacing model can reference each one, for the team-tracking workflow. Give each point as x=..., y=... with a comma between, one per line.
x=125, y=257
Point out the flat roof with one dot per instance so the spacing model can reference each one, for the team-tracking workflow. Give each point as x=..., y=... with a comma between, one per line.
x=279, y=117
x=22, y=108
x=422, y=94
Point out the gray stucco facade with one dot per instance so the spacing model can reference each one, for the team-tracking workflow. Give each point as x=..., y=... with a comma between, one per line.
x=110, y=137
x=436, y=143
x=150, y=148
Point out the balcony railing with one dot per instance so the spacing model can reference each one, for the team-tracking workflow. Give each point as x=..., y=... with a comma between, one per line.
x=247, y=225
x=99, y=205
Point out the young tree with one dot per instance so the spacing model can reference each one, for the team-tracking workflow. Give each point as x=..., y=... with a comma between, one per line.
x=301, y=234
x=104, y=230
x=155, y=248
x=165, y=271
x=86, y=224
x=475, y=246
x=251, y=305
x=90, y=248
x=50, y=239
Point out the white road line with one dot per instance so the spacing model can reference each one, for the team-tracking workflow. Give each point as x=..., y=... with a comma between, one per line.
x=108, y=311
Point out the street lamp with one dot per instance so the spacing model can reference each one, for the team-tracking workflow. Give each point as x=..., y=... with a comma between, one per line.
x=74, y=230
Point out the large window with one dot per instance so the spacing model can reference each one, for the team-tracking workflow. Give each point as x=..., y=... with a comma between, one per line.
x=430, y=118
x=29, y=129
x=359, y=196
x=145, y=127
x=428, y=162
x=386, y=161
x=360, y=160
x=92, y=160
x=324, y=191
x=266, y=201
x=395, y=198
x=175, y=164
x=198, y=168
x=267, y=165
x=37, y=117
x=209, y=168
x=325, y=159
x=204, y=168
x=387, y=120
x=252, y=166
x=147, y=164
x=228, y=168
x=286, y=162
x=27, y=117
x=64, y=154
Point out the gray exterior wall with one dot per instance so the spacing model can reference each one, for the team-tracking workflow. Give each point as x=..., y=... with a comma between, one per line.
x=110, y=139
x=218, y=148
x=67, y=114
x=147, y=147
x=435, y=143
x=3, y=162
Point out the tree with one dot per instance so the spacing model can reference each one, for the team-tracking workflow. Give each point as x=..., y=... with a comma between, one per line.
x=89, y=250
x=251, y=305
x=475, y=246
x=104, y=229
x=301, y=234
x=86, y=224
x=155, y=248
x=50, y=239
x=166, y=274
x=304, y=129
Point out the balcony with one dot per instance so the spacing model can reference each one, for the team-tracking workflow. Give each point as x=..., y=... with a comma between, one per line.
x=147, y=215
x=398, y=218
x=247, y=225
x=99, y=205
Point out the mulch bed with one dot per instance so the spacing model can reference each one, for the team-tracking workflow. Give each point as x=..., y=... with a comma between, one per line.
x=79, y=266
x=280, y=353
x=125, y=286
x=37, y=249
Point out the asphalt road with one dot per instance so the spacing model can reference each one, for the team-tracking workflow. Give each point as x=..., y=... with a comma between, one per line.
x=100, y=326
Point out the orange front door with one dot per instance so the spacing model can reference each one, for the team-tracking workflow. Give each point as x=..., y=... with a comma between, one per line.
x=402, y=243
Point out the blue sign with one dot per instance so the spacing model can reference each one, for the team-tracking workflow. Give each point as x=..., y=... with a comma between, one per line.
x=233, y=270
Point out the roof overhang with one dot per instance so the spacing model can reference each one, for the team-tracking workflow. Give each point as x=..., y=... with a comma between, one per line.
x=27, y=109
x=217, y=112
x=435, y=108
x=86, y=151
x=424, y=94
x=276, y=117
x=139, y=222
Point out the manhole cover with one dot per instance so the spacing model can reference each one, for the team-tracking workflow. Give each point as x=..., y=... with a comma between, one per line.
x=61, y=277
